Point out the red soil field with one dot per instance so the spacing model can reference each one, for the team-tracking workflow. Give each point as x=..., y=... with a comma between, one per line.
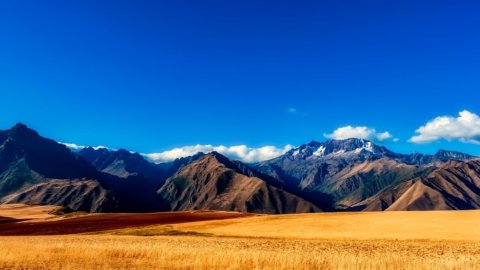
x=104, y=222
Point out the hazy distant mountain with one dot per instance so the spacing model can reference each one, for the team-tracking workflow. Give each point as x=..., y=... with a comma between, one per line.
x=439, y=157
x=216, y=183
x=124, y=164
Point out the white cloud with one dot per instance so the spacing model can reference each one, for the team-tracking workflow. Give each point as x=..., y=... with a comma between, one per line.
x=80, y=147
x=239, y=152
x=465, y=127
x=367, y=133
x=72, y=146
x=383, y=136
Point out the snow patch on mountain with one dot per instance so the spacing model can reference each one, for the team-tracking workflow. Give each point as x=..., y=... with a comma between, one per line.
x=320, y=151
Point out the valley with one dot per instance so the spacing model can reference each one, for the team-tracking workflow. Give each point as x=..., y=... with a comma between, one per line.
x=374, y=240
x=323, y=205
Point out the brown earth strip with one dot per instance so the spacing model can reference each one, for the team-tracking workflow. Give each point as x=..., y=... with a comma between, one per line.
x=7, y=220
x=104, y=222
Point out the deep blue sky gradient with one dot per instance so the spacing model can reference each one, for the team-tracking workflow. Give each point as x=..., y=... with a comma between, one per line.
x=151, y=75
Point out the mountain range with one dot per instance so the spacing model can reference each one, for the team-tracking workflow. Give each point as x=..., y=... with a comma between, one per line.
x=336, y=175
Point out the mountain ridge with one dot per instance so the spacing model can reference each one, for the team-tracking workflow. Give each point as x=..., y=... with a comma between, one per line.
x=37, y=170
x=349, y=170
x=335, y=175
x=215, y=182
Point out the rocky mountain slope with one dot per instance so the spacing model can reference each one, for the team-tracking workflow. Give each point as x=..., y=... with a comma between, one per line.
x=216, y=183
x=351, y=170
x=83, y=195
x=336, y=175
x=36, y=170
x=455, y=186
x=27, y=158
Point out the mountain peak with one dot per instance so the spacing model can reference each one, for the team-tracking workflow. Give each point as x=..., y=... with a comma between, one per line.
x=45, y=157
x=349, y=140
x=351, y=147
x=314, y=143
x=349, y=143
x=124, y=153
x=122, y=163
x=22, y=130
x=216, y=159
x=20, y=126
x=217, y=156
x=215, y=182
x=91, y=153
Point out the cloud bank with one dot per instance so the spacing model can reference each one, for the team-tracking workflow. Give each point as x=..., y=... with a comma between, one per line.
x=465, y=128
x=361, y=132
x=239, y=152
x=77, y=147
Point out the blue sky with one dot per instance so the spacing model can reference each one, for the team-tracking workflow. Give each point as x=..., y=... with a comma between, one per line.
x=154, y=75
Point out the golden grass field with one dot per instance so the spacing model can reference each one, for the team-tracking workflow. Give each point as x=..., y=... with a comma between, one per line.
x=426, y=225
x=389, y=240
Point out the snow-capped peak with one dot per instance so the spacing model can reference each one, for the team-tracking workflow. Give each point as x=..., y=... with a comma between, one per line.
x=335, y=148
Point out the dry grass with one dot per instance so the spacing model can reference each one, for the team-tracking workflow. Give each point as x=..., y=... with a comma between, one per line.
x=189, y=252
x=427, y=225
x=311, y=241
